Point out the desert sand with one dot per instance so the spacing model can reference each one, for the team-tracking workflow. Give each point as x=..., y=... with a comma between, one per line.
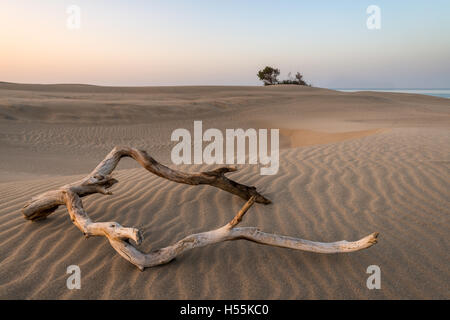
x=350, y=164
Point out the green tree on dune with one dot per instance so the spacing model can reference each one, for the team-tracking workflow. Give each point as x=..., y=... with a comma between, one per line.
x=269, y=75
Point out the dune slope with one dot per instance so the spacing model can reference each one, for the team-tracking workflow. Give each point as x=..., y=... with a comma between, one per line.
x=394, y=178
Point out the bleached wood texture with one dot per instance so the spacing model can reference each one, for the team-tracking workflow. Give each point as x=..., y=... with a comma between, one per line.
x=100, y=181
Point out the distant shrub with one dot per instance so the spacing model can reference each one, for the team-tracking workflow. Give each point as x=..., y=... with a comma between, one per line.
x=299, y=79
x=269, y=77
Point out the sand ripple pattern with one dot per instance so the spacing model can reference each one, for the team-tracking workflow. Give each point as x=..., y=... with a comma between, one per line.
x=396, y=182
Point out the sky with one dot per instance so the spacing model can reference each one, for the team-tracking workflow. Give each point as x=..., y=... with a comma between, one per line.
x=225, y=42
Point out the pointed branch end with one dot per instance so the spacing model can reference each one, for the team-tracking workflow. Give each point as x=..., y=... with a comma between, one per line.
x=141, y=268
x=369, y=241
x=262, y=199
x=373, y=238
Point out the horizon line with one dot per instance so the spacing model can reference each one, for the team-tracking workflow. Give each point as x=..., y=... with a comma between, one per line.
x=212, y=85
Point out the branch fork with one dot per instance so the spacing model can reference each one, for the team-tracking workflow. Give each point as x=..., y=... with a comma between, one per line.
x=100, y=181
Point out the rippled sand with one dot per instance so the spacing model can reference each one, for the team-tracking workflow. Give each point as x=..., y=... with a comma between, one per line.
x=358, y=163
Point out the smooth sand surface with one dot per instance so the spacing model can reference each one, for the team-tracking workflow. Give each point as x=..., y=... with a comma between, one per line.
x=350, y=164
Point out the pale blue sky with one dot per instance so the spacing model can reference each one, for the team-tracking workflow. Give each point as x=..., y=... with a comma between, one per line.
x=214, y=42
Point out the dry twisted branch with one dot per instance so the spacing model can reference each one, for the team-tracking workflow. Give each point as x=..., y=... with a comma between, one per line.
x=99, y=181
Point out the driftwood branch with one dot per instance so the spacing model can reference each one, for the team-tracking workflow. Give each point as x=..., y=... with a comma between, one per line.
x=100, y=181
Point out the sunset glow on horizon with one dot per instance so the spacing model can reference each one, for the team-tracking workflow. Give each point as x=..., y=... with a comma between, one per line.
x=226, y=42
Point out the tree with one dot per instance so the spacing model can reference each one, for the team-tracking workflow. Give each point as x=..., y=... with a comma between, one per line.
x=269, y=75
x=300, y=80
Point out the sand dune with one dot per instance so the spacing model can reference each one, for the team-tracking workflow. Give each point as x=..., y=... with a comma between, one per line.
x=300, y=138
x=356, y=163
